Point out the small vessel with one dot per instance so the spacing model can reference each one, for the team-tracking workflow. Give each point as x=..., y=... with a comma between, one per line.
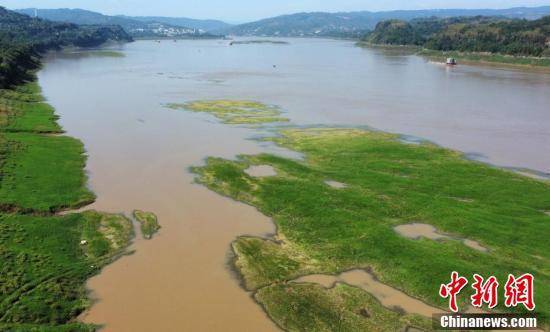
x=451, y=61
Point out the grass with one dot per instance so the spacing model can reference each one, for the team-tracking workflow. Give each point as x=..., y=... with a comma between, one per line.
x=470, y=57
x=23, y=110
x=39, y=173
x=149, y=223
x=47, y=258
x=263, y=261
x=235, y=111
x=327, y=230
x=43, y=173
x=44, y=265
x=311, y=307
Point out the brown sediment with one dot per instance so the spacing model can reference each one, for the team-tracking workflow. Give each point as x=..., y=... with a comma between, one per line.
x=463, y=200
x=532, y=174
x=336, y=184
x=260, y=171
x=474, y=245
x=417, y=230
x=389, y=297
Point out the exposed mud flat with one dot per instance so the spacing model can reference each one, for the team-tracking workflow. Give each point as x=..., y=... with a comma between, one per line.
x=417, y=230
x=260, y=171
x=336, y=184
x=474, y=245
x=533, y=174
x=388, y=296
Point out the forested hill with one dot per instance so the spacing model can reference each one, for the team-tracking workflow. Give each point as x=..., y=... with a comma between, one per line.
x=23, y=38
x=350, y=23
x=474, y=34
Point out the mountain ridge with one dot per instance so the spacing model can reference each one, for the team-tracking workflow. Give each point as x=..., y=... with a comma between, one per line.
x=137, y=27
x=326, y=24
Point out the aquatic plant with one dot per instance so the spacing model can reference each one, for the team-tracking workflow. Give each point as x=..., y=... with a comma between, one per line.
x=235, y=111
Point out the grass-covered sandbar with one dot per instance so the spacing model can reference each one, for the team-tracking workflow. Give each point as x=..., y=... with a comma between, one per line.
x=148, y=223
x=234, y=111
x=322, y=229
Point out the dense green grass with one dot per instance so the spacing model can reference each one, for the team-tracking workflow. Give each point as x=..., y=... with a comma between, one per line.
x=70, y=327
x=46, y=258
x=39, y=173
x=149, y=223
x=30, y=116
x=310, y=307
x=389, y=183
x=45, y=266
x=43, y=173
x=234, y=111
x=23, y=110
x=263, y=261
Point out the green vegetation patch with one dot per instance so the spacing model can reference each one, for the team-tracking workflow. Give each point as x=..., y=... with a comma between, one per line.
x=235, y=111
x=70, y=327
x=45, y=263
x=38, y=173
x=43, y=173
x=262, y=261
x=23, y=110
x=389, y=183
x=149, y=223
x=310, y=307
x=494, y=35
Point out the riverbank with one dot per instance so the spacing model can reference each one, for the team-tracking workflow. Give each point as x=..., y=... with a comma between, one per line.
x=47, y=257
x=387, y=183
x=497, y=60
x=529, y=63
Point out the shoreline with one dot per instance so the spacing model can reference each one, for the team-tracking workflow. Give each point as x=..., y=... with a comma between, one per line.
x=91, y=240
x=541, y=65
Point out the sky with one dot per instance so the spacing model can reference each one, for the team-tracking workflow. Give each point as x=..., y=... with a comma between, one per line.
x=239, y=11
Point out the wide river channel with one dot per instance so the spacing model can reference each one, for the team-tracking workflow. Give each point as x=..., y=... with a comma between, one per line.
x=139, y=151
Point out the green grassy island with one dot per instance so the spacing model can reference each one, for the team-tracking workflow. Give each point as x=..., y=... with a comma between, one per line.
x=149, y=223
x=234, y=111
x=385, y=183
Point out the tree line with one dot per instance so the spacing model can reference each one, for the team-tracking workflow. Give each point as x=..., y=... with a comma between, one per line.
x=23, y=39
x=468, y=34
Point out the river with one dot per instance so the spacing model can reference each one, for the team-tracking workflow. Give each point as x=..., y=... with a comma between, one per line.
x=140, y=152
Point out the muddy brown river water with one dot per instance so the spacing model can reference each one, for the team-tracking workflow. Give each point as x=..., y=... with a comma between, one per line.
x=140, y=152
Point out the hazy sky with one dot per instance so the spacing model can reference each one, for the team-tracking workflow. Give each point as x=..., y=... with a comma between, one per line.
x=247, y=10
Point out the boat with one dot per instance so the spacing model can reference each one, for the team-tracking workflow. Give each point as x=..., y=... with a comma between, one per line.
x=451, y=61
